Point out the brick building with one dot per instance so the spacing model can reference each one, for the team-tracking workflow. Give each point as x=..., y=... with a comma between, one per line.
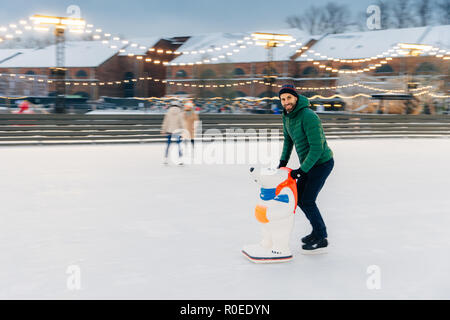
x=229, y=64
x=93, y=68
x=308, y=62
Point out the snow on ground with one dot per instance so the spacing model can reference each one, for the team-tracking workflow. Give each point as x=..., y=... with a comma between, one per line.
x=139, y=230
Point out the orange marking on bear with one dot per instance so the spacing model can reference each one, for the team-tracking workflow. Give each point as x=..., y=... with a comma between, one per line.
x=261, y=214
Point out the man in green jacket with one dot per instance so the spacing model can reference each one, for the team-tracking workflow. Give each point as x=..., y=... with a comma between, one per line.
x=303, y=129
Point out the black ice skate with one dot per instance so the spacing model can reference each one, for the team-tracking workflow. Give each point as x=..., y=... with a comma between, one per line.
x=308, y=239
x=316, y=246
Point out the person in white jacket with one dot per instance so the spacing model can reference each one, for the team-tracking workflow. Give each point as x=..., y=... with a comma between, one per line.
x=173, y=125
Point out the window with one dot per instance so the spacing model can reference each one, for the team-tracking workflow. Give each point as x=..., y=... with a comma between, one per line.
x=273, y=71
x=427, y=67
x=30, y=73
x=385, y=68
x=239, y=72
x=128, y=87
x=81, y=74
x=181, y=74
x=310, y=71
x=346, y=67
x=82, y=94
x=208, y=74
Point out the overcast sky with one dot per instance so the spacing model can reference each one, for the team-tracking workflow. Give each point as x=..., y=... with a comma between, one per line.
x=137, y=18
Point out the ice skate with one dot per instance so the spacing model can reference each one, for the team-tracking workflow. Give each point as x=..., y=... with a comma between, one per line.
x=308, y=239
x=258, y=254
x=317, y=246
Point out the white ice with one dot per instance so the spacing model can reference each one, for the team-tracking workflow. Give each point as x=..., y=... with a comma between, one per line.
x=140, y=230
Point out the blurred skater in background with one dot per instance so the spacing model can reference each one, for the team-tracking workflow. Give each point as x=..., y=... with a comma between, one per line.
x=173, y=125
x=190, y=117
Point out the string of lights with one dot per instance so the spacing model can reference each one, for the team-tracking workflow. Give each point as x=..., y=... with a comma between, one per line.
x=96, y=83
x=276, y=98
x=391, y=90
x=439, y=96
x=312, y=52
x=106, y=38
x=87, y=83
x=15, y=29
x=384, y=58
x=114, y=42
x=23, y=26
x=369, y=68
x=15, y=98
x=394, y=52
x=354, y=84
x=109, y=39
x=240, y=44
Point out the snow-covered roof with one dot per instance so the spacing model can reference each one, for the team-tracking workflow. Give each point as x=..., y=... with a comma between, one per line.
x=77, y=54
x=367, y=44
x=212, y=46
x=437, y=36
x=6, y=54
x=140, y=46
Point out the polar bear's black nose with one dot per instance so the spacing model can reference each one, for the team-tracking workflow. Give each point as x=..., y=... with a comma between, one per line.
x=252, y=169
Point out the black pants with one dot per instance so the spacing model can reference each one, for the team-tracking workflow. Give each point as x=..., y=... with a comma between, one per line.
x=308, y=188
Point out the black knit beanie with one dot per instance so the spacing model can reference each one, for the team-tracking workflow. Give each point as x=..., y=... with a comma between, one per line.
x=287, y=88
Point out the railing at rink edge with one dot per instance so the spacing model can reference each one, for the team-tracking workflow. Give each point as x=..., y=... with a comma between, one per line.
x=50, y=129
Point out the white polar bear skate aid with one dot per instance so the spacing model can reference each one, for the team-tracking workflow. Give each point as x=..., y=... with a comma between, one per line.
x=275, y=211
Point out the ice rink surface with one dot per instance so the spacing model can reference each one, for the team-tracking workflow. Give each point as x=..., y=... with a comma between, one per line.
x=136, y=229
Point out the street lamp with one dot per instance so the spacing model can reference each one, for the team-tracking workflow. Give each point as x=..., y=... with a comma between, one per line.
x=59, y=72
x=270, y=41
x=415, y=49
x=411, y=50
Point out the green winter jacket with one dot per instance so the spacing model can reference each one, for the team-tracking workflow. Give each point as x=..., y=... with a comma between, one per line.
x=303, y=129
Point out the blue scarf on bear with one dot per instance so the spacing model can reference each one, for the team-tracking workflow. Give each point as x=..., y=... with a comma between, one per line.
x=270, y=194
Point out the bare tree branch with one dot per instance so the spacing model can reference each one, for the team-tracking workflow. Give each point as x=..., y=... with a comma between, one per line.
x=331, y=18
x=401, y=13
x=335, y=18
x=443, y=8
x=424, y=12
x=309, y=21
x=386, y=14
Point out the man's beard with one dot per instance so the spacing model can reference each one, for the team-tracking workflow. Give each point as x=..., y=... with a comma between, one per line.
x=289, y=107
